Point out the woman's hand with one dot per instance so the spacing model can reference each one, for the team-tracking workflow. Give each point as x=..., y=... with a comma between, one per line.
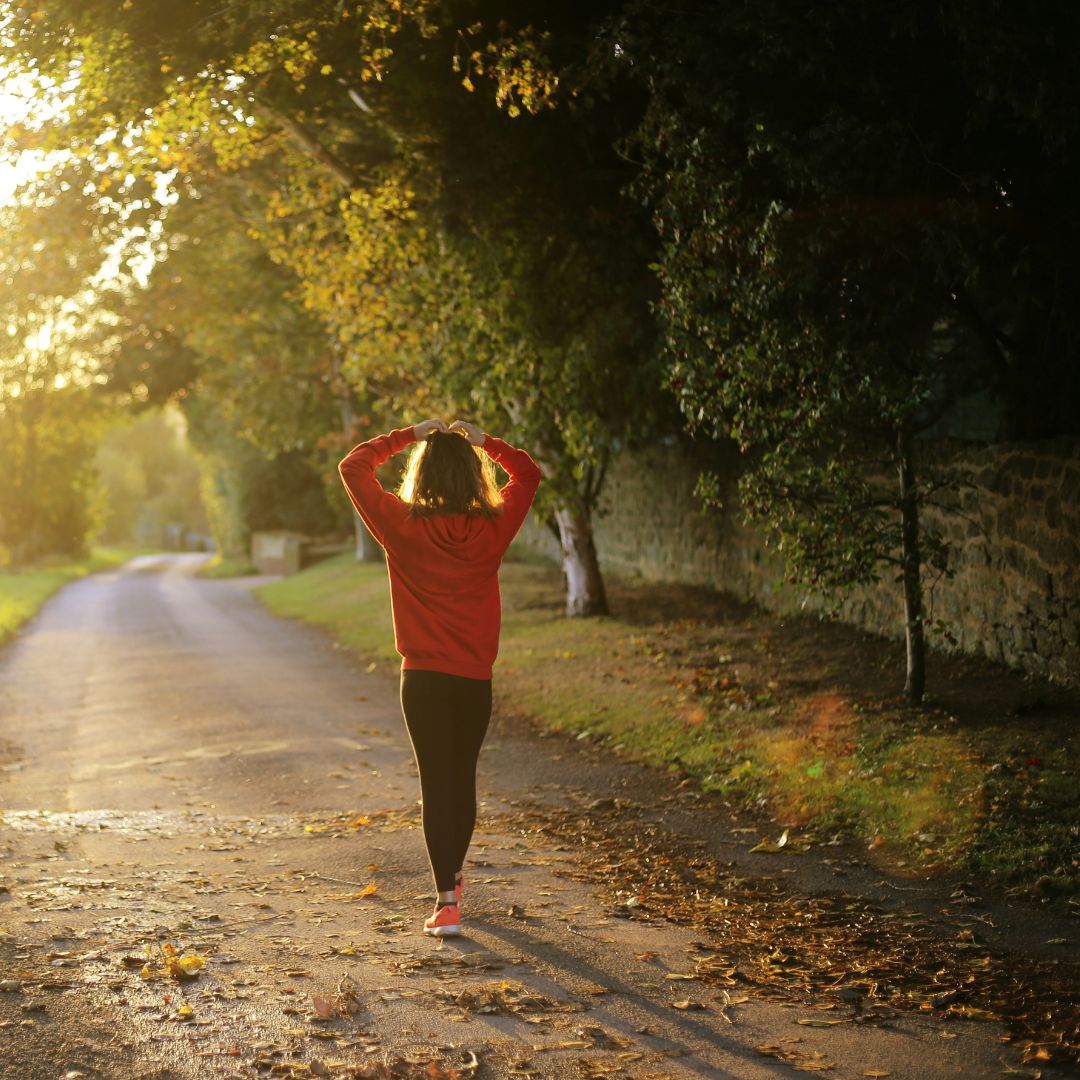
x=470, y=431
x=426, y=427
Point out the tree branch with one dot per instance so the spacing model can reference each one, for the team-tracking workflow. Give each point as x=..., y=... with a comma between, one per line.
x=310, y=145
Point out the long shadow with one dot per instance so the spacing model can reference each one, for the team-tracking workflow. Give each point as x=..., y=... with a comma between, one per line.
x=519, y=941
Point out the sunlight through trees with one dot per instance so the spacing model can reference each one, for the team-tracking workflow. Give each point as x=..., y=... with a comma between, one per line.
x=303, y=222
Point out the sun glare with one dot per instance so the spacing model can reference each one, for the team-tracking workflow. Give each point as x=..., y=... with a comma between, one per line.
x=20, y=104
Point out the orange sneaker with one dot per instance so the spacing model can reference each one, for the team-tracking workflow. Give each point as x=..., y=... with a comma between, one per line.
x=445, y=922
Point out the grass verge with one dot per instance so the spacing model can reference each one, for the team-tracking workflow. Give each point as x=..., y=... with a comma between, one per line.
x=797, y=718
x=24, y=589
x=217, y=567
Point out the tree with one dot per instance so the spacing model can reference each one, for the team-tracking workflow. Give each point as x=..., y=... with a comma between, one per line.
x=497, y=261
x=258, y=385
x=851, y=243
x=383, y=207
x=149, y=479
x=54, y=267
x=47, y=437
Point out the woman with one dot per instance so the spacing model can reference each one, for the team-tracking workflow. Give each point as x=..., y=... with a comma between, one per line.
x=445, y=534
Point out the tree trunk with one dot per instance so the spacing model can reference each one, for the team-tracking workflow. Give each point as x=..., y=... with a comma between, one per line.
x=584, y=582
x=912, y=564
x=367, y=547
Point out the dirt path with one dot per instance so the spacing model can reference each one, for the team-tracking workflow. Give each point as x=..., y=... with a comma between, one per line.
x=180, y=770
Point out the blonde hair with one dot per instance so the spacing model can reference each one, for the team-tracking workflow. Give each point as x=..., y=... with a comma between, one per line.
x=446, y=474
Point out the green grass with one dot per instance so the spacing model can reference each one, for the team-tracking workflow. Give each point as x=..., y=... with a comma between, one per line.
x=25, y=589
x=1029, y=835
x=716, y=701
x=218, y=567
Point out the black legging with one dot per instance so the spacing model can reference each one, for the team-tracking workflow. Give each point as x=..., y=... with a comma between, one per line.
x=447, y=718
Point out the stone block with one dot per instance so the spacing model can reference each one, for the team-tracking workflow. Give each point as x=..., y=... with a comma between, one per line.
x=1052, y=511
x=1053, y=548
x=1069, y=488
x=1020, y=466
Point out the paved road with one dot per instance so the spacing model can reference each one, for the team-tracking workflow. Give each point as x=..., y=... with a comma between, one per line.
x=180, y=768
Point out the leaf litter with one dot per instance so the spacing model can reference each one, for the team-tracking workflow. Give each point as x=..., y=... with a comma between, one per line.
x=507, y=999
x=786, y=947
x=397, y=1067
x=644, y=876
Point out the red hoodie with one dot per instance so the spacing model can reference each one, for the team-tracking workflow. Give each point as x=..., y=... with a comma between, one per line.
x=444, y=568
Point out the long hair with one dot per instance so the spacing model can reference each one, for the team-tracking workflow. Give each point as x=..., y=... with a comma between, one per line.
x=446, y=474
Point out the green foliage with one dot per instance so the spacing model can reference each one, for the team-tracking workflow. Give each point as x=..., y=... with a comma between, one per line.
x=847, y=242
x=410, y=207
x=246, y=490
x=50, y=413
x=217, y=327
x=47, y=441
x=453, y=257
x=800, y=316
x=227, y=464
x=149, y=479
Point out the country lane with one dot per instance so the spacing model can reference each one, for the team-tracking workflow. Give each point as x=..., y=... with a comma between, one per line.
x=184, y=776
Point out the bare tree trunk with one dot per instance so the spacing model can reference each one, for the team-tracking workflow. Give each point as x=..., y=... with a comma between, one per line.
x=367, y=547
x=584, y=582
x=912, y=563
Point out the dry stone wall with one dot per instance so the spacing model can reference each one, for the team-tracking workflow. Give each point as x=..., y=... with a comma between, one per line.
x=1013, y=530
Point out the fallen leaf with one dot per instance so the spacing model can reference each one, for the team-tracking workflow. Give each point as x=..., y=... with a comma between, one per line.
x=768, y=846
x=185, y=965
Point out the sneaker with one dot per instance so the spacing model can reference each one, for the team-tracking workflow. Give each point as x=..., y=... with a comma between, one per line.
x=445, y=922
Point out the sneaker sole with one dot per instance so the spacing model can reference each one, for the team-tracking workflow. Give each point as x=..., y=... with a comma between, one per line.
x=451, y=930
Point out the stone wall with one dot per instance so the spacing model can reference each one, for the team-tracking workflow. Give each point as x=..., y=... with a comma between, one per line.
x=1014, y=534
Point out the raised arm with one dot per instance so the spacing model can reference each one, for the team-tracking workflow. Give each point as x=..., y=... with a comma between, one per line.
x=377, y=507
x=525, y=477
x=519, y=491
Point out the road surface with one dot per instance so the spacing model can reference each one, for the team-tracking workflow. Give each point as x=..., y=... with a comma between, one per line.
x=182, y=770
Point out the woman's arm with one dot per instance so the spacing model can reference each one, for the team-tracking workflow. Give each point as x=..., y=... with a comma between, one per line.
x=377, y=507
x=525, y=477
